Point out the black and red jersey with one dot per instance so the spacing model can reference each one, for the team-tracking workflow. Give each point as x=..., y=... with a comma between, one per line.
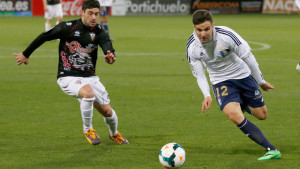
x=78, y=47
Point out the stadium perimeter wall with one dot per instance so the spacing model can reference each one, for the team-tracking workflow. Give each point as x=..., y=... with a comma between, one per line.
x=157, y=7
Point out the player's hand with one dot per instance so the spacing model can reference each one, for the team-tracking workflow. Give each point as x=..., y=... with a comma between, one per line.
x=21, y=58
x=267, y=86
x=206, y=103
x=109, y=57
x=45, y=8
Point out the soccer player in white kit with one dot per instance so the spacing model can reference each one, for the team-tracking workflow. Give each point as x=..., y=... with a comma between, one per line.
x=229, y=63
x=53, y=8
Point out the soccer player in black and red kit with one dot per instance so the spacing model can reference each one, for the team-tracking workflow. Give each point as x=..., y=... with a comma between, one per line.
x=79, y=40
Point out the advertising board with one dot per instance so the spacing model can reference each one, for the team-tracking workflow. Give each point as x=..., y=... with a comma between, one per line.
x=15, y=8
x=150, y=7
x=281, y=6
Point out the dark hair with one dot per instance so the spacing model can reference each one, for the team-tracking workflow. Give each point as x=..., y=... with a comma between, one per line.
x=87, y=4
x=201, y=16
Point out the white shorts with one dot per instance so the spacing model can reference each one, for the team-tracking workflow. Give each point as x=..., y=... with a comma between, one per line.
x=71, y=86
x=54, y=11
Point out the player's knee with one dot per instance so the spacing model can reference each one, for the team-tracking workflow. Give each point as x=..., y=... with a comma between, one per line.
x=86, y=92
x=263, y=116
x=261, y=113
x=107, y=113
x=235, y=117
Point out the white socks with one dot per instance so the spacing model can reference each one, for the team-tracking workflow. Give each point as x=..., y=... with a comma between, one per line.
x=86, y=107
x=47, y=26
x=112, y=123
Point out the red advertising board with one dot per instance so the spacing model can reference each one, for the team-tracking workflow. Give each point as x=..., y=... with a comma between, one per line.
x=70, y=7
x=37, y=8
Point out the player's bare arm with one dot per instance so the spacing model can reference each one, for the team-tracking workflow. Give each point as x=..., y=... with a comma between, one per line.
x=206, y=103
x=267, y=86
x=110, y=57
x=21, y=58
x=45, y=5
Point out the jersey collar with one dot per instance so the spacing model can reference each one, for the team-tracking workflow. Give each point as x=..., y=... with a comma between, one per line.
x=87, y=28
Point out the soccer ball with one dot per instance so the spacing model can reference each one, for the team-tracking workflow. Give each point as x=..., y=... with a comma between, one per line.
x=172, y=155
x=298, y=66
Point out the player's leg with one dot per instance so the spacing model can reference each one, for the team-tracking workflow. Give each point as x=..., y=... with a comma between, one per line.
x=87, y=97
x=59, y=13
x=230, y=96
x=48, y=16
x=78, y=87
x=259, y=112
x=253, y=98
x=110, y=117
x=233, y=111
x=111, y=120
x=104, y=19
x=48, y=25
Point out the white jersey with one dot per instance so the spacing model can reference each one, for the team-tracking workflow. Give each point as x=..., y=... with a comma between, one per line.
x=105, y=2
x=226, y=56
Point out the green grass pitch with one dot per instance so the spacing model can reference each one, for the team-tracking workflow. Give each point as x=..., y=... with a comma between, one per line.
x=154, y=94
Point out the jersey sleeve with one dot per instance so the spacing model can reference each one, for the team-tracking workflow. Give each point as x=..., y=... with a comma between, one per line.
x=253, y=66
x=234, y=41
x=105, y=43
x=54, y=33
x=242, y=49
x=198, y=72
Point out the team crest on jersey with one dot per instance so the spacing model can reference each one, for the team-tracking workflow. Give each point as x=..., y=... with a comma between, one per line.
x=92, y=36
x=224, y=51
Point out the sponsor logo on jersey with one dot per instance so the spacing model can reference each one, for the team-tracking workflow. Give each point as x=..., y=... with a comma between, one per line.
x=257, y=94
x=77, y=33
x=92, y=36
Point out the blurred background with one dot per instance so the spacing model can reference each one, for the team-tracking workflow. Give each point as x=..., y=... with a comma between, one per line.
x=157, y=7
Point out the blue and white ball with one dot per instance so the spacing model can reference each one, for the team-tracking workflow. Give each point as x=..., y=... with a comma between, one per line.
x=172, y=155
